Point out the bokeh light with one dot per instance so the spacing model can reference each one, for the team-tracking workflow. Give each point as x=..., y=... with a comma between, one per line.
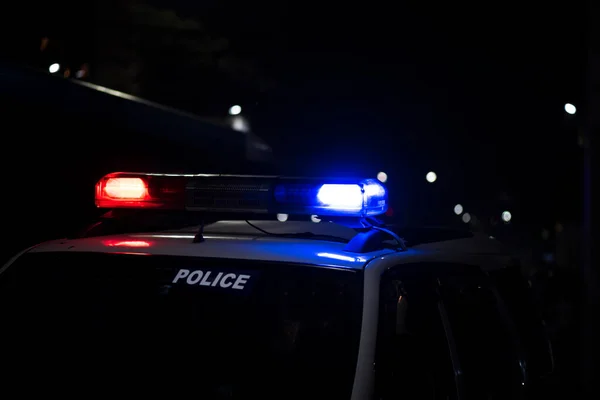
x=235, y=110
x=558, y=228
x=240, y=124
x=431, y=177
x=382, y=177
x=570, y=108
x=54, y=68
x=506, y=216
x=315, y=219
x=282, y=217
x=458, y=209
x=466, y=218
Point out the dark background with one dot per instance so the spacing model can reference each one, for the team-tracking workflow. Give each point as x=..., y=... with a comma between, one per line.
x=472, y=91
x=475, y=94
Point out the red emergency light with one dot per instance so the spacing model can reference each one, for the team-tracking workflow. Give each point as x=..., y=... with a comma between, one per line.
x=129, y=190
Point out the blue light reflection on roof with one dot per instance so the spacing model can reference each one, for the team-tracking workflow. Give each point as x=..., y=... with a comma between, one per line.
x=342, y=257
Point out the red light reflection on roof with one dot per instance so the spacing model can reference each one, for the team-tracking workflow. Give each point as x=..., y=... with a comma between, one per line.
x=126, y=243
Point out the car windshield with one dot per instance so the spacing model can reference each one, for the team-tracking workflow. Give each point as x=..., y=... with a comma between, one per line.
x=217, y=328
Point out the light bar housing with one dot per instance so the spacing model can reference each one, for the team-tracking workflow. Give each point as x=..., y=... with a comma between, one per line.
x=243, y=194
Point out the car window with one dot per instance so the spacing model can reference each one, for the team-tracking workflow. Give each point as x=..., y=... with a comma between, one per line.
x=218, y=328
x=444, y=333
x=488, y=351
x=519, y=301
x=413, y=356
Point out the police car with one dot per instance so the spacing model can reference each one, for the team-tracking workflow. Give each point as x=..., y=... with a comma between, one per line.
x=193, y=284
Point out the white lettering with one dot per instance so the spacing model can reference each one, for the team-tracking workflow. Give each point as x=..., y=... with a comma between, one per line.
x=240, y=282
x=219, y=275
x=227, y=284
x=204, y=280
x=194, y=277
x=181, y=274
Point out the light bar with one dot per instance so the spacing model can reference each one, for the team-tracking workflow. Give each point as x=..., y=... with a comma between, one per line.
x=246, y=194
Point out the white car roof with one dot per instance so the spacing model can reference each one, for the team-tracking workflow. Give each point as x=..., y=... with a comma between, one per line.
x=479, y=249
x=238, y=240
x=230, y=239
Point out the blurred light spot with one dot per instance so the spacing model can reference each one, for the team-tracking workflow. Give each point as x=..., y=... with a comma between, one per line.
x=67, y=73
x=54, y=68
x=548, y=257
x=282, y=217
x=315, y=219
x=239, y=123
x=431, y=177
x=44, y=44
x=80, y=74
x=235, y=110
x=382, y=177
x=545, y=234
x=492, y=237
x=389, y=212
x=506, y=216
x=466, y=218
x=570, y=108
x=558, y=228
x=458, y=209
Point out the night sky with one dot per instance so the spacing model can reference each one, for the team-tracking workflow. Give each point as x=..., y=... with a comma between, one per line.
x=475, y=94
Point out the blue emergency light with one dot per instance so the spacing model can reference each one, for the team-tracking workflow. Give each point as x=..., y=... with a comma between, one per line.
x=359, y=198
x=239, y=193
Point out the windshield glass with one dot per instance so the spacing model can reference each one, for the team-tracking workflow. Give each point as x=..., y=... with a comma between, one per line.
x=221, y=328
